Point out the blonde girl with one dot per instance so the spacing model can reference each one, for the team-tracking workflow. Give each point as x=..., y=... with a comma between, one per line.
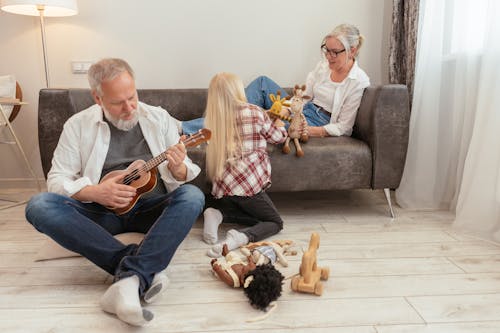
x=238, y=166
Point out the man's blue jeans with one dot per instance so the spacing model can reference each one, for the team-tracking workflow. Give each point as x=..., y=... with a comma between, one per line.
x=88, y=229
x=257, y=93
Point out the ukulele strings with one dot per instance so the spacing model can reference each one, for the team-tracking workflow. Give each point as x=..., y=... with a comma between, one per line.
x=139, y=172
x=131, y=176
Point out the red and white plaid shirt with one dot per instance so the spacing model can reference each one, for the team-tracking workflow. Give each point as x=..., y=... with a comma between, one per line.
x=250, y=173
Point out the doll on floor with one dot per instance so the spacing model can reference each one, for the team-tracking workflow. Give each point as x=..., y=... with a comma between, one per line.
x=261, y=284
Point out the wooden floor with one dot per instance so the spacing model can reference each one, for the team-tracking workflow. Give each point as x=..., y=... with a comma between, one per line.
x=411, y=274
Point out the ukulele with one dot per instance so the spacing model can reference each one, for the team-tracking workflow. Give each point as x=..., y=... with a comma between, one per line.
x=143, y=175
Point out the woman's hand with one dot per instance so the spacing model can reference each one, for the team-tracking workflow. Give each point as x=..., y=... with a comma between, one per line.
x=317, y=131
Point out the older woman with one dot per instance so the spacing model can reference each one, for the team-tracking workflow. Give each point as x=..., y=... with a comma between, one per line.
x=336, y=85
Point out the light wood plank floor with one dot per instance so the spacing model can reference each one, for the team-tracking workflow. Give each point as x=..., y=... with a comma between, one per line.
x=413, y=274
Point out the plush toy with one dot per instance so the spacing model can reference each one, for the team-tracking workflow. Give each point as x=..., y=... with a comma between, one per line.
x=277, y=107
x=308, y=280
x=262, y=284
x=298, y=124
x=266, y=252
x=299, y=91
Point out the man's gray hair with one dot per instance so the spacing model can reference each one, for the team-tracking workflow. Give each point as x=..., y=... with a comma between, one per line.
x=106, y=70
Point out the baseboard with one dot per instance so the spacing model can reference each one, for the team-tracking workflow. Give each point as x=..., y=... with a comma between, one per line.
x=6, y=183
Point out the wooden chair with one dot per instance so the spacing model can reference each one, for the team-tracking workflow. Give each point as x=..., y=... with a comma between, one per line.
x=15, y=110
x=6, y=123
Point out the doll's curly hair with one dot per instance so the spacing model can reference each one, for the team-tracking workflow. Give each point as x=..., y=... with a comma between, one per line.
x=265, y=287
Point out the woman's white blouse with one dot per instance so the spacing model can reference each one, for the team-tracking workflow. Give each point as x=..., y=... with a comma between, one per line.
x=346, y=97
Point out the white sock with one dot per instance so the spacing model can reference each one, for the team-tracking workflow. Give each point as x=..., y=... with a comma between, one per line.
x=234, y=239
x=212, y=218
x=122, y=299
x=158, y=286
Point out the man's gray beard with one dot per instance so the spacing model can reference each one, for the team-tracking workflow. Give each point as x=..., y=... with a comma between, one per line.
x=124, y=125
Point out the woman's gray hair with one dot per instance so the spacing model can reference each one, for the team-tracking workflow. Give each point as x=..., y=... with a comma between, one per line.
x=106, y=70
x=348, y=35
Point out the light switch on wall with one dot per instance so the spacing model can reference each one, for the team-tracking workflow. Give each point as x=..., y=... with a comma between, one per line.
x=80, y=67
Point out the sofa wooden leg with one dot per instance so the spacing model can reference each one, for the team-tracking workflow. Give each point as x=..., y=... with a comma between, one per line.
x=387, y=193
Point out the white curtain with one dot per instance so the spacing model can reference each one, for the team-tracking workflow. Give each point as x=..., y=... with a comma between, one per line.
x=478, y=207
x=454, y=149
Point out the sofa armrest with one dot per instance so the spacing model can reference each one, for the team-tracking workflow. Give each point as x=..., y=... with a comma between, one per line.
x=383, y=123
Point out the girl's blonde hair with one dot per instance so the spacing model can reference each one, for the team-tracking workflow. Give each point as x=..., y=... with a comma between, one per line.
x=226, y=95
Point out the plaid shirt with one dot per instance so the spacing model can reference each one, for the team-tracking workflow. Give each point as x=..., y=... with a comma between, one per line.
x=250, y=173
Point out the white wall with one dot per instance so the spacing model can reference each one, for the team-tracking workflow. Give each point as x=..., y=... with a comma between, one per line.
x=180, y=44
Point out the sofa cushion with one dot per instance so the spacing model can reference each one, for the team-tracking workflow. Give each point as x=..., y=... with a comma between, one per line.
x=328, y=163
x=333, y=162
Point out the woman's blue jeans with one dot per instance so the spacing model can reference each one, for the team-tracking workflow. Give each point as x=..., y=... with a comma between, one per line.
x=88, y=229
x=257, y=93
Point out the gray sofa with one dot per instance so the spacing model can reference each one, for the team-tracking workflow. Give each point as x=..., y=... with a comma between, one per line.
x=373, y=157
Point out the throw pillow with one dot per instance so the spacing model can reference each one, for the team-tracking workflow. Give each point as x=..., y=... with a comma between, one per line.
x=51, y=250
x=7, y=89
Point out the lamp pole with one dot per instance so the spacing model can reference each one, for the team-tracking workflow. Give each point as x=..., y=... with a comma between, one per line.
x=41, y=9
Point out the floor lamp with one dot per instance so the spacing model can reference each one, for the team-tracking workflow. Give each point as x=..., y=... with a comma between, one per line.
x=41, y=8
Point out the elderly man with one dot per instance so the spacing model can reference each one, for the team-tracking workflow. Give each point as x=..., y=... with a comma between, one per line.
x=84, y=208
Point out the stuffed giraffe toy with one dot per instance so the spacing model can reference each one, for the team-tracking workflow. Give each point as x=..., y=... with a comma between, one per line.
x=298, y=124
x=276, y=108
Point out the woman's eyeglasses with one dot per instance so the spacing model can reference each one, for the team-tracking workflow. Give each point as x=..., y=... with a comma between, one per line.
x=331, y=52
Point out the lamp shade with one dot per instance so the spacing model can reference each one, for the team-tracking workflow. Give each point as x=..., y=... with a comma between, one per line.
x=31, y=7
